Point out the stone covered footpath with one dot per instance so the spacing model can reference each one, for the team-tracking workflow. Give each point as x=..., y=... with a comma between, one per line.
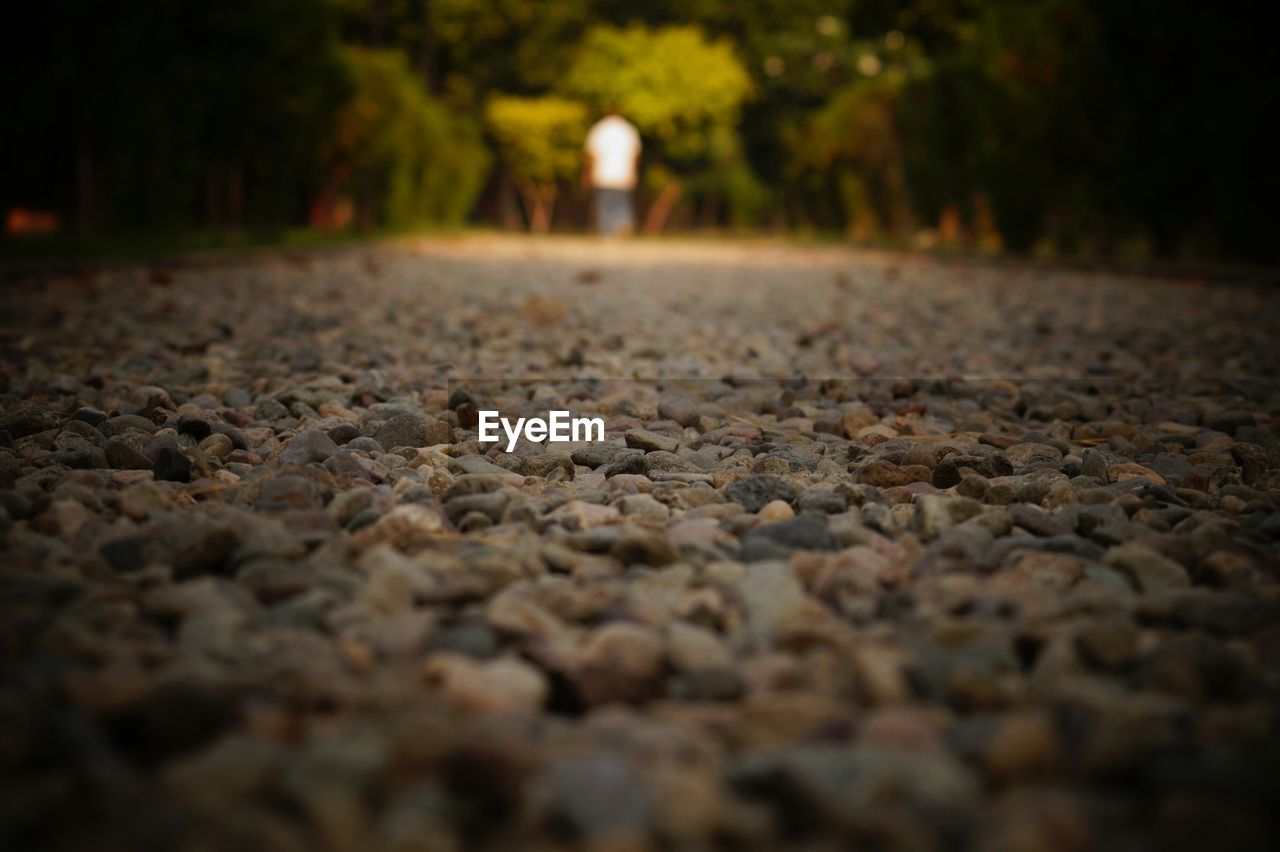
x=880, y=552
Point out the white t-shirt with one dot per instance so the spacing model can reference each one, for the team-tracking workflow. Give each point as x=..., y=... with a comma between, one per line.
x=614, y=145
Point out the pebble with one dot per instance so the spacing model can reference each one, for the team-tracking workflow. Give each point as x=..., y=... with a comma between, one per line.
x=139, y=500
x=775, y=511
x=171, y=465
x=755, y=492
x=312, y=445
x=411, y=430
x=643, y=439
x=620, y=662
x=1148, y=570
x=505, y=685
x=217, y=445
x=122, y=454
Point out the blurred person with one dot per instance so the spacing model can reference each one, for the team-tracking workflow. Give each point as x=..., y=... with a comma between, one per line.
x=613, y=150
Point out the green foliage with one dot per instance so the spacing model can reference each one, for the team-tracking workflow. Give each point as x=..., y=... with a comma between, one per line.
x=541, y=142
x=506, y=45
x=1086, y=123
x=855, y=145
x=672, y=83
x=472, y=48
x=402, y=157
x=540, y=138
x=729, y=177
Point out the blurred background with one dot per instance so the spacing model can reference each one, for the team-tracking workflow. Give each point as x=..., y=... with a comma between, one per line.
x=1061, y=128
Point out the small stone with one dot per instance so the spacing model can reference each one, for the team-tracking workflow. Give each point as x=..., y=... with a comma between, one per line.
x=640, y=547
x=1094, y=464
x=408, y=527
x=775, y=511
x=313, y=445
x=600, y=797
x=139, y=500
x=121, y=454
x=491, y=505
x=1231, y=420
x=151, y=396
x=172, y=465
x=411, y=430
x=1108, y=643
x=805, y=532
x=217, y=445
x=1106, y=524
x=773, y=598
x=692, y=648
x=195, y=426
x=28, y=420
x=599, y=453
x=754, y=492
x=1125, y=471
x=1031, y=455
x=505, y=685
x=935, y=513
x=919, y=454
x=643, y=439
x=204, y=550
x=270, y=410
x=621, y=662
x=682, y=410
x=662, y=461
x=298, y=492
x=1035, y=521
x=821, y=501
x=644, y=507
x=361, y=444
x=1023, y=745
x=579, y=515
x=127, y=423
x=340, y=435
x=1148, y=570
x=883, y=474
x=92, y=416
x=857, y=418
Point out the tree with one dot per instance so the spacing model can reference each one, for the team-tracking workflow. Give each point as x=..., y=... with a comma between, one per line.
x=401, y=157
x=678, y=88
x=161, y=115
x=541, y=140
x=855, y=145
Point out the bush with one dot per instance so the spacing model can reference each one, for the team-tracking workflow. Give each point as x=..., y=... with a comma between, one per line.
x=855, y=144
x=672, y=83
x=400, y=157
x=541, y=140
x=679, y=89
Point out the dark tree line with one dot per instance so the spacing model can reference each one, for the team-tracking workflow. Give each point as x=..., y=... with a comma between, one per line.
x=1086, y=125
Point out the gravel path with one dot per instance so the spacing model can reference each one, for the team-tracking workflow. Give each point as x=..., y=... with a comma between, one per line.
x=879, y=552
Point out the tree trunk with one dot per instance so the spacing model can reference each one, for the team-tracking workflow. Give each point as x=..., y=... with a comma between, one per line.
x=508, y=203
x=539, y=203
x=660, y=211
x=709, y=217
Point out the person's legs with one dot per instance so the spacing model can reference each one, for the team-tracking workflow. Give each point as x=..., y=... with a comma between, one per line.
x=626, y=212
x=614, y=213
